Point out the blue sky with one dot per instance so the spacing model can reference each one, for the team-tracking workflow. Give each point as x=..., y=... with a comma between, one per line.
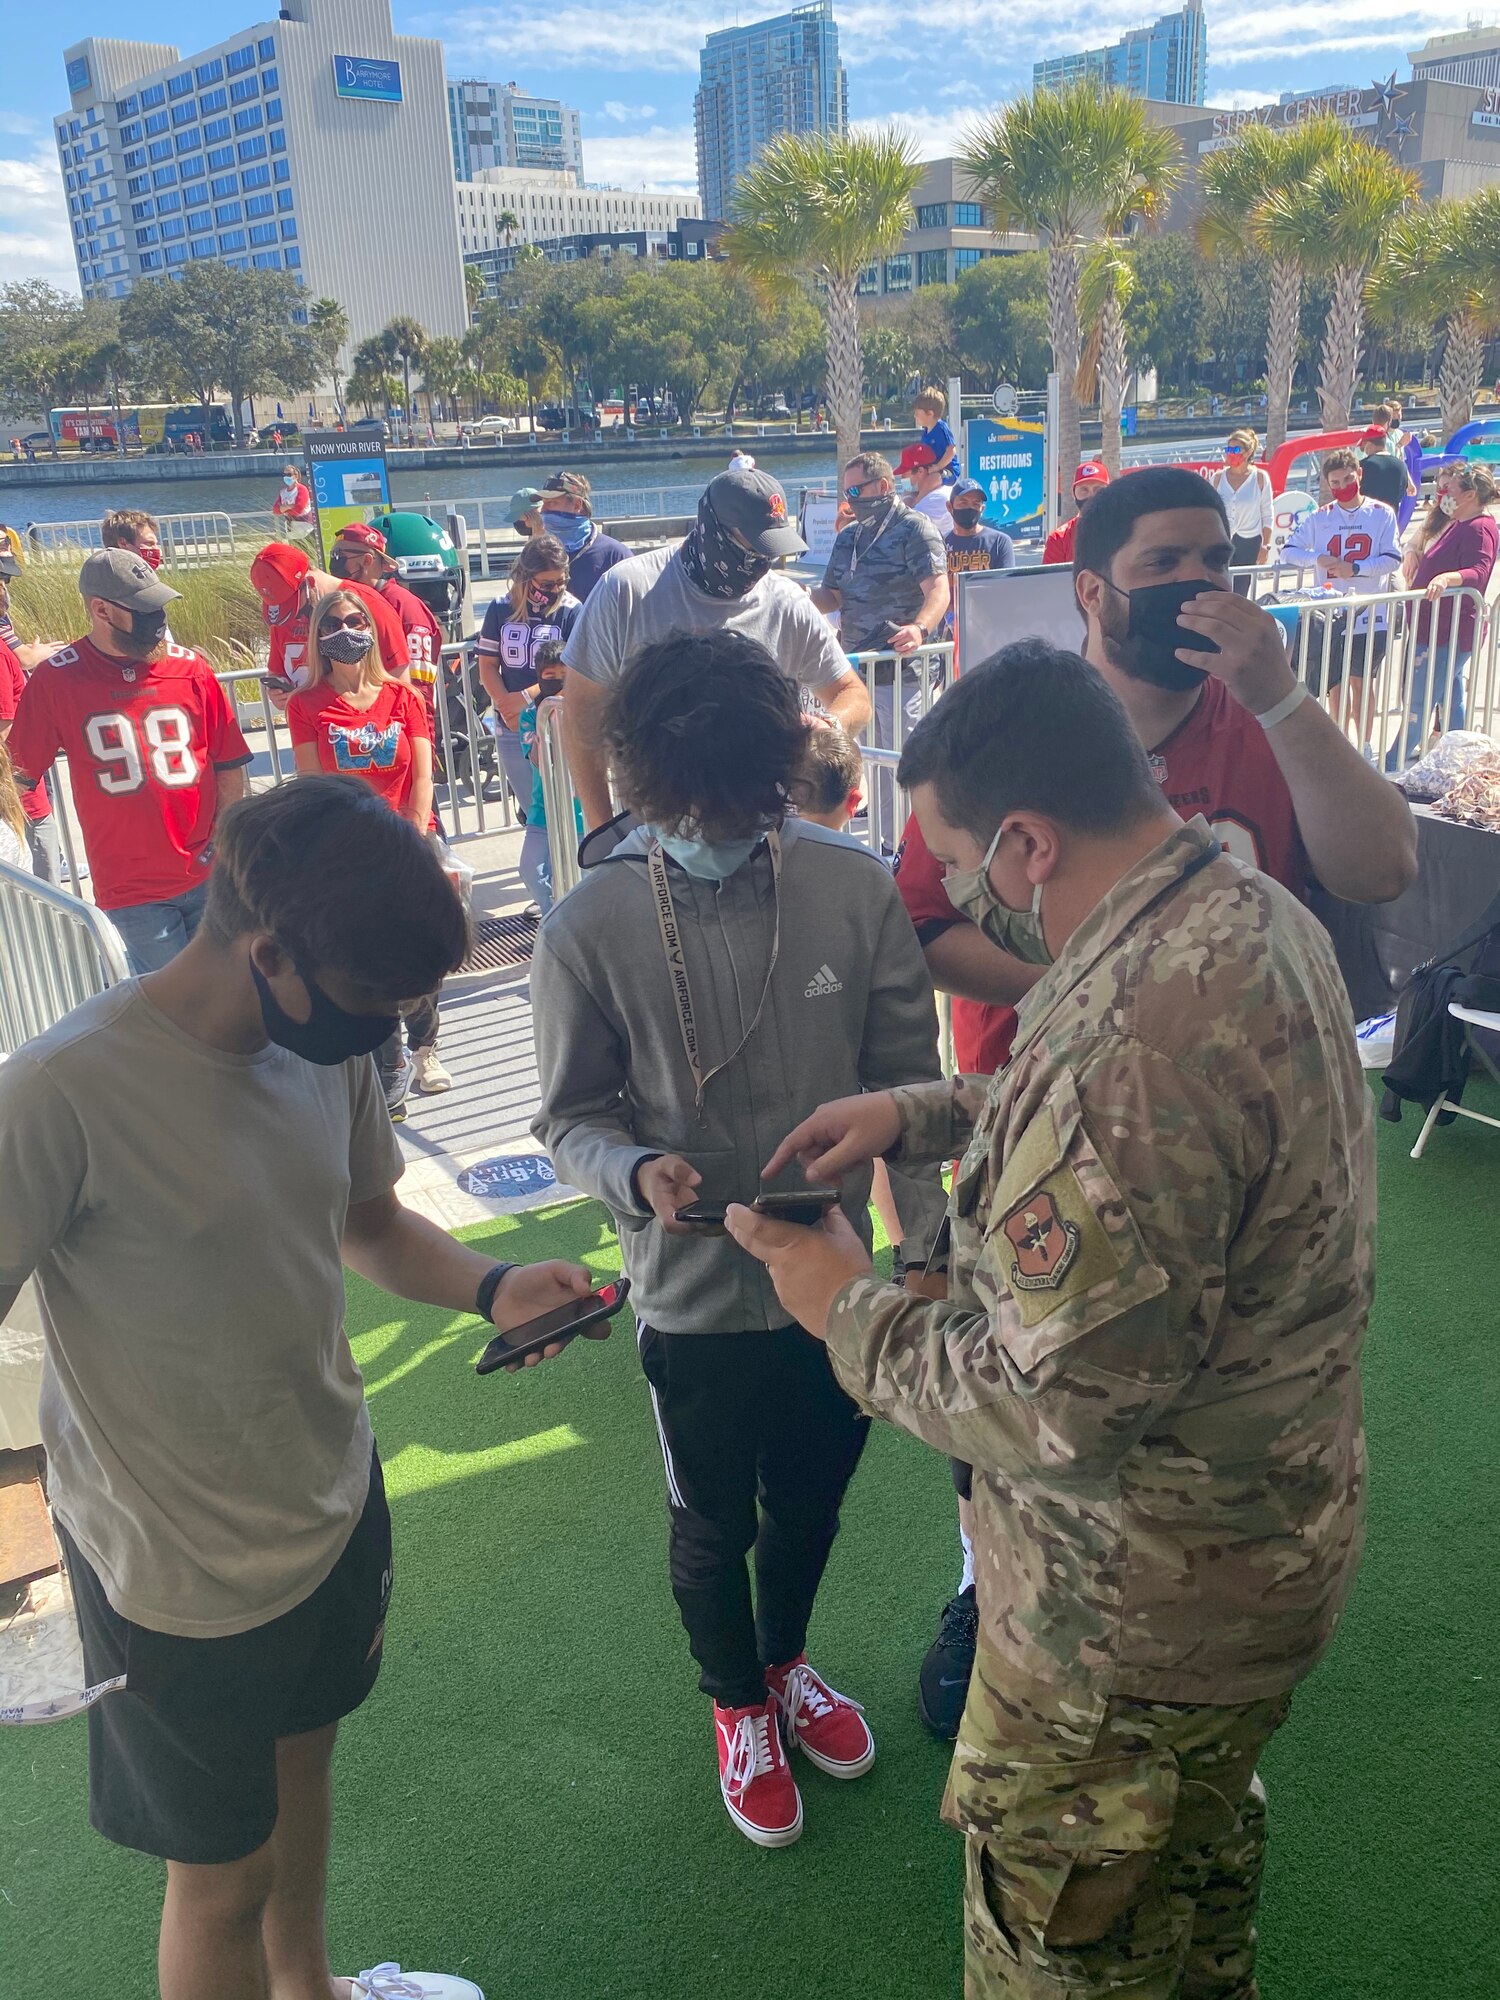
x=632, y=70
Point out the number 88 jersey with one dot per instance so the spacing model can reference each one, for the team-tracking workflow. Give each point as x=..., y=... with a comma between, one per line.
x=144, y=743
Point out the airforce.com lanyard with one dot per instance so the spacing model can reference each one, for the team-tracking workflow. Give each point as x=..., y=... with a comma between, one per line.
x=61, y=1705
x=682, y=992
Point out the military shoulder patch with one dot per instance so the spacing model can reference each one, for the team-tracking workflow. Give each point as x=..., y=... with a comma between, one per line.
x=1045, y=1244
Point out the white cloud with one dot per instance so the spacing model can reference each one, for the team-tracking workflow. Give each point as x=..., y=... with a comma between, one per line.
x=34, y=237
x=626, y=114
x=576, y=34
x=1234, y=100
x=17, y=125
x=664, y=157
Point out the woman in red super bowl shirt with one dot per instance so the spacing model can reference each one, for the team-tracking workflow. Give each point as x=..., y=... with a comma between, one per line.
x=355, y=719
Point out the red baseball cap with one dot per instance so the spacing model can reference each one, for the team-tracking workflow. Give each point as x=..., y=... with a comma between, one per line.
x=278, y=573
x=363, y=535
x=1376, y=434
x=914, y=458
x=1091, y=473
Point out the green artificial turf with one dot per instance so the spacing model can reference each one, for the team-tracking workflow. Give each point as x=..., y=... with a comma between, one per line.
x=530, y=1797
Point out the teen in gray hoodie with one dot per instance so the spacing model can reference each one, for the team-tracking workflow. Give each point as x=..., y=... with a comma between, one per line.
x=779, y=953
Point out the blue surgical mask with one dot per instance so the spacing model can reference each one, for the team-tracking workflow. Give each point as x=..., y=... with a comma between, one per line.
x=572, y=530
x=709, y=860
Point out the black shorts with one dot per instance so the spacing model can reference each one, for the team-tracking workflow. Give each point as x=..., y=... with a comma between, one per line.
x=182, y=1760
x=963, y=1478
x=1366, y=650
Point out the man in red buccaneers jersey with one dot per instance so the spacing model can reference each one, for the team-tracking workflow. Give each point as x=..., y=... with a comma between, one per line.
x=154, y=754
x=1205, y=680
x=289, y=587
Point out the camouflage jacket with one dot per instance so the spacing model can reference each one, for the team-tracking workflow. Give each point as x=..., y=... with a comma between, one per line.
x=1161, y=1271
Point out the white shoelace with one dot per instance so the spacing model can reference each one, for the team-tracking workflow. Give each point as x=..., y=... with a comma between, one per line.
x=388, y=1982
x=750, y=1753
x=805, y=1694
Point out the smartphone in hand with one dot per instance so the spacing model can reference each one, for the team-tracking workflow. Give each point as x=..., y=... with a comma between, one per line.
x=563, y=1324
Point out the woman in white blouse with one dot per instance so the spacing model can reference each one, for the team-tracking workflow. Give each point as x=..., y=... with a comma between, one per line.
x=13, y=849
x=1245, y=489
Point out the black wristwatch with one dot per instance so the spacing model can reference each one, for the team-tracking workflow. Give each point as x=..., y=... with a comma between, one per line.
x=489, y=1284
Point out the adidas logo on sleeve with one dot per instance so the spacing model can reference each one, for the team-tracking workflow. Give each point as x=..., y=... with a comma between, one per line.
x=825, y=980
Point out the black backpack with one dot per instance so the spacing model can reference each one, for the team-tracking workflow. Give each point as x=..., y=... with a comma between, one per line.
x=1431, y=1055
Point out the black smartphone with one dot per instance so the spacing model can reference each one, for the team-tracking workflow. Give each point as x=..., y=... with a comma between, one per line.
x=806, y=1206
x=564, y=1324
x=707, y=1217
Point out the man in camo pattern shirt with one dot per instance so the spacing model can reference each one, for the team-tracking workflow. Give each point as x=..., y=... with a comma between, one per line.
x=1161, y=1266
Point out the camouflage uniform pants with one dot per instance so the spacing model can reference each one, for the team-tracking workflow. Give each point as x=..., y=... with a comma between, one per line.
x=1113, y=1848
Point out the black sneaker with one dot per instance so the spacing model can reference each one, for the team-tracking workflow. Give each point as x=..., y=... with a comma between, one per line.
x=943, y=1684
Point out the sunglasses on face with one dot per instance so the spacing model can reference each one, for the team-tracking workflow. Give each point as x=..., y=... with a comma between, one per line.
x=853, y=492
x=354, y=621
x=1234, y=451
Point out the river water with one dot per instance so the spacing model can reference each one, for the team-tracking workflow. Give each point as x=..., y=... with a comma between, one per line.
x=636, y=483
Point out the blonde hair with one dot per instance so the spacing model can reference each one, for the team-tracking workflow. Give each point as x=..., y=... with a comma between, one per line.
x=1475, y=478
x=11, y=814
x=931, y=399
x=372, y=663
x=1248, y=439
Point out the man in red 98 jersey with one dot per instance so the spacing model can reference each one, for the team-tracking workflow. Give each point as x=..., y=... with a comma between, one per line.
x=154, y=754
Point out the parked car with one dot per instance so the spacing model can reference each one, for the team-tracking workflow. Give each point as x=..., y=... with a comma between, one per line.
x=553, y=417
x=372, y=424
x=491, y=424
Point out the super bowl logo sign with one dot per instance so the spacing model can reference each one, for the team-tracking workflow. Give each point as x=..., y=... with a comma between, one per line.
x=367, y=77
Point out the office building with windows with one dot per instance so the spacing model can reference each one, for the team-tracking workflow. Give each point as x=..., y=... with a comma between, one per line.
x=1167, y=61
x=689, y=240
x=499, y=125
x=547, y=207
x=951, y=233
x=312, y=143
x=776, y=76
x=1472, y=57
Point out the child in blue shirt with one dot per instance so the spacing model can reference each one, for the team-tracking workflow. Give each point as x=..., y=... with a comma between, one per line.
x=930, y=413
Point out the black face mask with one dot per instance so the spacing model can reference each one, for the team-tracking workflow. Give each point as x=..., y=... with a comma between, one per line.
x=966, y=517
x=338, y=564
x=147, y=631
x=715, y=562
x=329, y=1035
x=1148, y=652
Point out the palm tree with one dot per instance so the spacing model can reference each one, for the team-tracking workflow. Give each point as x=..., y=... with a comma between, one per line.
x=443, y=370
x=473, y=287
x=328, y=324
x=1106, y=286
x=1336, y=223
x=369, y=374
x=507, y=222
x=1443, y=263
x=825, y=206
x=1236, y=183
x=406, y=341
x=1067, y=166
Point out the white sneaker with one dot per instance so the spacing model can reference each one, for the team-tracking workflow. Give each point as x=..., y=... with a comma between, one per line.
x=389, y=1982
x=430, y=1076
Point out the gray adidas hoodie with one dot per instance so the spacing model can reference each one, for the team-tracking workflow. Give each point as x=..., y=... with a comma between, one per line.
x=850, y=1008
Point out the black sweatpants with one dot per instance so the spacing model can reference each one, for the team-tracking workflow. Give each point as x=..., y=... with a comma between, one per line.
x=760, y=1443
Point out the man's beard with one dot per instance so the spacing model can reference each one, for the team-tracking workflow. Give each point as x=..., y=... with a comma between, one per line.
x=1143, y=659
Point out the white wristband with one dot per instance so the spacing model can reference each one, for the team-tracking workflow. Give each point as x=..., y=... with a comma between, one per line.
x=1286, y=706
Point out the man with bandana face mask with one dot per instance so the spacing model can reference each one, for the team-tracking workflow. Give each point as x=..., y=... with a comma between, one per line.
x=1160, y=1273
x=154, y=754
x=720, y=579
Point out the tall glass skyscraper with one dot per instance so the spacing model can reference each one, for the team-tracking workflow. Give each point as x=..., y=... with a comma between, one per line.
x=1167, y=61
x=774, y=76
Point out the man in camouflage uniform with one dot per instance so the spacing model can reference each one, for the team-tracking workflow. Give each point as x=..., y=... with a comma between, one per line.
x=1160, y=1275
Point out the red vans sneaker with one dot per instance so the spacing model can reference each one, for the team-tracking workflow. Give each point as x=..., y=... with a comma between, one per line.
x=754, y=1776
x=828, y=1728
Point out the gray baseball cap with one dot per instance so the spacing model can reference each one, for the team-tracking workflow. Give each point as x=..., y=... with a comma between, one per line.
x=754, y=506
x=120, y=577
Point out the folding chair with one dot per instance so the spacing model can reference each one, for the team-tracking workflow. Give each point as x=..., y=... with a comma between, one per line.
x=1471, y=1018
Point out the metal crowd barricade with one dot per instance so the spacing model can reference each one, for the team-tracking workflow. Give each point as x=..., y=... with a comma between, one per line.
x=56, y=951
x=185, y=538
x=1370, y=678
x=557, y=799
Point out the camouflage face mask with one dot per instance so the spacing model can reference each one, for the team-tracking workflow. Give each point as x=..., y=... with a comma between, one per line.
x=1017, y=931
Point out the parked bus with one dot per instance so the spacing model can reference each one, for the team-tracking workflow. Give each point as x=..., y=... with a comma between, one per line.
x=139, y=426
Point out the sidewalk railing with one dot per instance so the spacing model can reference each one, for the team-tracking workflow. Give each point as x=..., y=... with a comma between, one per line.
x=57, y=951
x=186, y=539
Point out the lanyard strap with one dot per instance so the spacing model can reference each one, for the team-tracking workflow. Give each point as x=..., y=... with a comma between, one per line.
x=60, y=1705
x=682, y=992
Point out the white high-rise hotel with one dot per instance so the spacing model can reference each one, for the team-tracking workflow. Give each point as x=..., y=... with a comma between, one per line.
x=315, y=143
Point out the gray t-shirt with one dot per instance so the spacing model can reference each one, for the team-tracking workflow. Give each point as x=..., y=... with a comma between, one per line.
x=182, y=1209
x=878, y=569
x=645, y=599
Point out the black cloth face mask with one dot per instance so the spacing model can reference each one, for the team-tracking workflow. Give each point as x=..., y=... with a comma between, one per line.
x=329, y=1035
x=1148, y=652
x=715, y=562
x=965, y=517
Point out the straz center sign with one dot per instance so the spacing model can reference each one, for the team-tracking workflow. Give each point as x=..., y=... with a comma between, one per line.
x=1354, y=107
x=1489, y=110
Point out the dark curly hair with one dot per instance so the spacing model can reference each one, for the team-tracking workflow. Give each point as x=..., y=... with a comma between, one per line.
x=705, y=730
